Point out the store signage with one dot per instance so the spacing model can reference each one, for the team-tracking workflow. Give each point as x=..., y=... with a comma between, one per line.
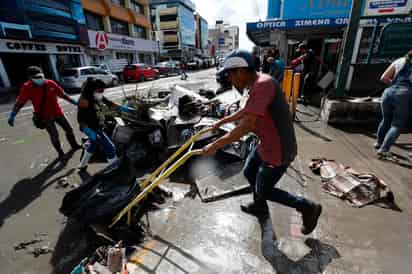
x=299, y=23
x=102, y=41
x=326, y=22
x=20, y=46
x=312, y=9
x=387, y=7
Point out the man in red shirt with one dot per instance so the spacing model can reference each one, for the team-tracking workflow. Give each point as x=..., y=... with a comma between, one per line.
x=267, y=115
x=44, y=94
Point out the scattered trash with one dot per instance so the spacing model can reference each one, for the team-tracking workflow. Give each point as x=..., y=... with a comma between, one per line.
x=37, y=251
x=114, y=259
x=25, y=244
x=358, y=189
x=105, y=260
x=63, y=183
x=41, y=251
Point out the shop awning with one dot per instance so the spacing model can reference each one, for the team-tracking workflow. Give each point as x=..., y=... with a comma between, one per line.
x=298, y=29
x=301, y=29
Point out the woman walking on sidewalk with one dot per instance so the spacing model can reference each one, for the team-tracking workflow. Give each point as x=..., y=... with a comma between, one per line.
x=396, y=104
x=267, y=115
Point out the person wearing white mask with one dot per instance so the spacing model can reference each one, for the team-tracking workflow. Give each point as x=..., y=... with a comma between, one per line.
x=91, y=121
x=44, y=94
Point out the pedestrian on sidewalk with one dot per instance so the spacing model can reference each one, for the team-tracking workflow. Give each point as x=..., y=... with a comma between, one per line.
x=396, y=103
x=44, y=94
x=183, y=68
x=266, y=114
x=91, y=121
x=277, y=67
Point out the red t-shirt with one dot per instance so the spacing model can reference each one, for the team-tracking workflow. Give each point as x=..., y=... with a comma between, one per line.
x=51, y=107
x=274, y=126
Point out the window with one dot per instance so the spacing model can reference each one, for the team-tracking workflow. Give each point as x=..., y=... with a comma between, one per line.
x=118, y=2
x=140, y=32
x=119, y=27
x=136, y=7
x=124, y=55
x=86, y=72
x=94, y=21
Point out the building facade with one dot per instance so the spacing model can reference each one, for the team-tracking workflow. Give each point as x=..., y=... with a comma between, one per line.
x=224, y=38
x=202, y=36
x=119, y=32
x=51, y=34
x=174, y=26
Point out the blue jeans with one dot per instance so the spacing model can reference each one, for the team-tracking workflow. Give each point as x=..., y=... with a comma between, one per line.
x=263, y=178
x=105, y=142
x=395, y=107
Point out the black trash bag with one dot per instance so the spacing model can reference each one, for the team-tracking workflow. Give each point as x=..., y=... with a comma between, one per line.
x=99, y=199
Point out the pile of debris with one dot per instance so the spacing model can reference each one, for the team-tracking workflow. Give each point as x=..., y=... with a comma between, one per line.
x=160, y=126
x=358, y=189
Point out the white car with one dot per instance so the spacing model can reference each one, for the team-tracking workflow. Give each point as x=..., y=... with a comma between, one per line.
x=74, y=78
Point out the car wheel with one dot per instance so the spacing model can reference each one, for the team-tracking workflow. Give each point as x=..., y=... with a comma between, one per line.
x=115, y=82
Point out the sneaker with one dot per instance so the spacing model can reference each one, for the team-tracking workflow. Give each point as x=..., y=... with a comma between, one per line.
x=377, y=146
x=384, y=154
x=310, y=218
x=254, y=209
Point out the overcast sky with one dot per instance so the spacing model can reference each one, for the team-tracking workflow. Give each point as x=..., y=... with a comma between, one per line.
x=235, y=12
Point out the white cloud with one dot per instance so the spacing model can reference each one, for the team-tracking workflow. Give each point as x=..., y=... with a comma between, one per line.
x=234, y=12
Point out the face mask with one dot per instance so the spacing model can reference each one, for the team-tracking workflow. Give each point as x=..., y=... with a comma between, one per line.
x=38, y=82
x=98, y=96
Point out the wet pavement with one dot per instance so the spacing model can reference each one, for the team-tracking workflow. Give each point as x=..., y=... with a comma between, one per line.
x=189, y=236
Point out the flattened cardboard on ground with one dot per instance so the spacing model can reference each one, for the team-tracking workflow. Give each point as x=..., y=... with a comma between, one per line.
x=225, y=182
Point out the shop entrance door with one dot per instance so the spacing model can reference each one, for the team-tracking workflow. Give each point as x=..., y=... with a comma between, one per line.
x=17, y=63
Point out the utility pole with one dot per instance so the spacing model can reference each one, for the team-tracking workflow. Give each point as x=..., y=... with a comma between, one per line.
x=349, y=43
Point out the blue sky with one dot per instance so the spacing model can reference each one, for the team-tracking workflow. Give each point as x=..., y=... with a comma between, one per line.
x=235, y=12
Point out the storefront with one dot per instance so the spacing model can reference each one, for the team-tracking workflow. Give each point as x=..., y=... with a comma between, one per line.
x=322, y=24
x=116, y=51
x=17, y=55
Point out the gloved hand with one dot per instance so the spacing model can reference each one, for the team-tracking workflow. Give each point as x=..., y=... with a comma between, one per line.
x=125, y=109
x=90, y=133
x=74, y=102
x=12, y=116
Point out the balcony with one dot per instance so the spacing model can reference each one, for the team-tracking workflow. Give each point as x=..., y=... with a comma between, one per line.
x=170, y=38
x=168, y=11
x=168, y=25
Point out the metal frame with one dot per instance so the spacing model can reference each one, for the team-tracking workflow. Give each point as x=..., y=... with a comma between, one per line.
x=161, y=173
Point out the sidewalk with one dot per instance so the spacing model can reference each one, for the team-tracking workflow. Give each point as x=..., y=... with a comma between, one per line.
x=196, y=237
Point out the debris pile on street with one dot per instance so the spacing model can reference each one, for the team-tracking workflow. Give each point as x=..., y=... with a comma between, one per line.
x=160, y=126
x=37, y=250
x=358, y=189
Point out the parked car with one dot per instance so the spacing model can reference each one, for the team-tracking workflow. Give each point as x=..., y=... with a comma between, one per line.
x=74, y=78
x=139, y=72
x=168, y=68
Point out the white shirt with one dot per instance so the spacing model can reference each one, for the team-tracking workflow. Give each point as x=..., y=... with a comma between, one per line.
x=398, y=64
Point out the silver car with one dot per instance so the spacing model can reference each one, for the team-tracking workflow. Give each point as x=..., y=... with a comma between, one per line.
x=74, y=78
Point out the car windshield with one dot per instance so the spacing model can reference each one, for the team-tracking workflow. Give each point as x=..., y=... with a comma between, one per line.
x=162, y=64
x=69, y=72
